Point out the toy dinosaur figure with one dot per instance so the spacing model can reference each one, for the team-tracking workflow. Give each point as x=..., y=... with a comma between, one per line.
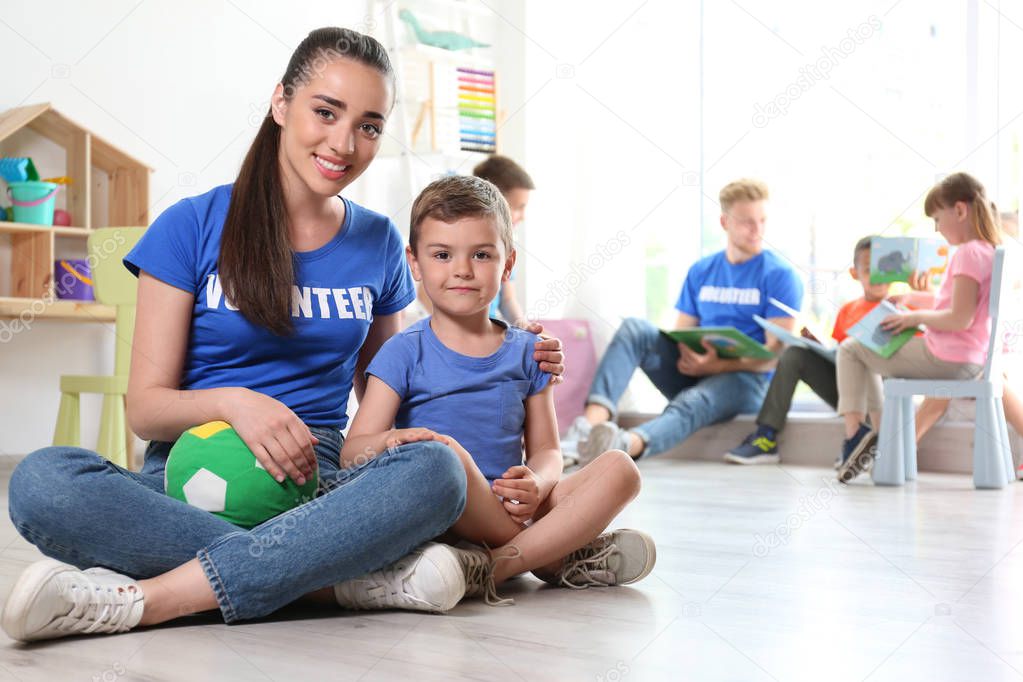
x=446, y=40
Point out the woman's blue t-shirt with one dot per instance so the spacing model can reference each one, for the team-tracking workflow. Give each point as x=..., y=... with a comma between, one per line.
x=338, y=289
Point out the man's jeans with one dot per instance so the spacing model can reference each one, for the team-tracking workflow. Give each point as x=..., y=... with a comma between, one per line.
x=693, y=402
x=79, y=508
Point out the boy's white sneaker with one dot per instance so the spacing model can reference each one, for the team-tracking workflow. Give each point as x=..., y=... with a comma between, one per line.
x=52, y=599
x=620, y=557
x=430, y=578
x=478, y=567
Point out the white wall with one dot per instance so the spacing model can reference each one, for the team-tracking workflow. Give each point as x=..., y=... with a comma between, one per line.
x=179, y=85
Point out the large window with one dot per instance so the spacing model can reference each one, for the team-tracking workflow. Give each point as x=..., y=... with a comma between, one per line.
x=849, y=111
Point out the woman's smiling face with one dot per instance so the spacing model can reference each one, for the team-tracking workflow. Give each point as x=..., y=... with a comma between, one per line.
x=331, y=125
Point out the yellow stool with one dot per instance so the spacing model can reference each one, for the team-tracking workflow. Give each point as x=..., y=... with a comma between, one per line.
x=113, y=285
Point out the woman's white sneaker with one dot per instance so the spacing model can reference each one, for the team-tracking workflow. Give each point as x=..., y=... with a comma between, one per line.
x=429, y=578
x=53, y=599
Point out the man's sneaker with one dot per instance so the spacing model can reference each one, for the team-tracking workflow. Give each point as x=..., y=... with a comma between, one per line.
x=578, y=431
x=603, y=437
x=620, y=557
x=858, y=453
x=53, y=599
x=430, y=578
x=478, y=568
x=760, y=447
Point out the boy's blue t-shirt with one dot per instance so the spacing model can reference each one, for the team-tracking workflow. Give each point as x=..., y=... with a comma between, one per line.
x=723, y=294
x=480, y=402
x=340, y=286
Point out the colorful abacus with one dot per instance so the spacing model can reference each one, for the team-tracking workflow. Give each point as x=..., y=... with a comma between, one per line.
x=477, y=111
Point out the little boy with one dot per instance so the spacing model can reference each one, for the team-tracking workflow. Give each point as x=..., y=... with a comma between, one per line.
x=516, y=187
x=471, y=383
x=796, y=364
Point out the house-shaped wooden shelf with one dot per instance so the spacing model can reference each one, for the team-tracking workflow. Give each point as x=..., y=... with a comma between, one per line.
x=33, y=247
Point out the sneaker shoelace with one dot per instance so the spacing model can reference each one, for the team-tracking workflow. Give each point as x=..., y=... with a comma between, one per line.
x=97, y=607
x=763, y=442
x=479, y=574
x=583, y=567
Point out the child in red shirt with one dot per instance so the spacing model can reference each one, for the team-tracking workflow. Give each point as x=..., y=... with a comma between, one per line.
x=801, y=364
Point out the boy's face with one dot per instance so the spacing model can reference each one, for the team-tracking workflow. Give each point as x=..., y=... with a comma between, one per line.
x=861, y=272
x=517, y=199
x=744, y=223
x=460, y=264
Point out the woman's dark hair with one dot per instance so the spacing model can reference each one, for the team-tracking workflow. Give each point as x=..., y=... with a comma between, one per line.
x=256, y=264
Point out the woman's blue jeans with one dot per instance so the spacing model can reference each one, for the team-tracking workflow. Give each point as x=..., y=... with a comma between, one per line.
x=79, y=508
x=693, y=402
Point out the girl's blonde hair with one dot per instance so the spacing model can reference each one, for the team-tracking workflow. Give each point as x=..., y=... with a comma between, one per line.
x=966, y=188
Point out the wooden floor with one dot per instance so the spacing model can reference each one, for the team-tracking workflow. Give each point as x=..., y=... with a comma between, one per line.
x=763, y=573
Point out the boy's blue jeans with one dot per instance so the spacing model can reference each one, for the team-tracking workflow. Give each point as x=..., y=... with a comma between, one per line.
x=693, y=402
x=79, y=508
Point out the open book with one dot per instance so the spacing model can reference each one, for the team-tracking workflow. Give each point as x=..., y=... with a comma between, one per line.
x=728, y=341
x=828, y=351
x=894, y=259
x=868, y=331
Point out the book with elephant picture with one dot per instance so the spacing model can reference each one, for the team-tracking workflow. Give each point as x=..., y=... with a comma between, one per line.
x=895, y=259
x=868, y=331
x=729, y=342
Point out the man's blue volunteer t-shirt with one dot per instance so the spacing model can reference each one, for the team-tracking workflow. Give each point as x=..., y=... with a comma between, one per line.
x=480, y=402
x=338, y=289
x=723, y=294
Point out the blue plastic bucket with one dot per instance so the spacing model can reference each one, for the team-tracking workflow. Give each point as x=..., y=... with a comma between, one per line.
x=33, y=201
x=72, y=279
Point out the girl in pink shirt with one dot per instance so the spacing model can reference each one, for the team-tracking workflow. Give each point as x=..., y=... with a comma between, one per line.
x=956, y=328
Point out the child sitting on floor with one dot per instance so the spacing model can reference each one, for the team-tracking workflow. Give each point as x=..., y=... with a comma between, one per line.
x=516, y=187
x=470, y=382
x=802, y=364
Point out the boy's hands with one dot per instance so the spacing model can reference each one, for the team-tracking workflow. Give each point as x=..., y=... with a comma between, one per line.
x=807, y=334
x=281, y=441
x=398, y=437
x=695, y=364
x=523, y=485
x=548, y=353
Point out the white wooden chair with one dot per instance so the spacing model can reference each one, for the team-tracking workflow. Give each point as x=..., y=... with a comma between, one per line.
x=992, y=458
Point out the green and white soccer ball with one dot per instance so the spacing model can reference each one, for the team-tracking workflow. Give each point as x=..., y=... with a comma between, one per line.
x=211, y=468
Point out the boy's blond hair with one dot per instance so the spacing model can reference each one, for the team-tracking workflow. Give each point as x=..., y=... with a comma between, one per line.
x=461, y=196
x=744, y=189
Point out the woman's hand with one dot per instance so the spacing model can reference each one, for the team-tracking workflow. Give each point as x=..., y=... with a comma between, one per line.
x=548, y=354
x=398, y=437
x=523, y=486
x=900, y=322
x=281, y=442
